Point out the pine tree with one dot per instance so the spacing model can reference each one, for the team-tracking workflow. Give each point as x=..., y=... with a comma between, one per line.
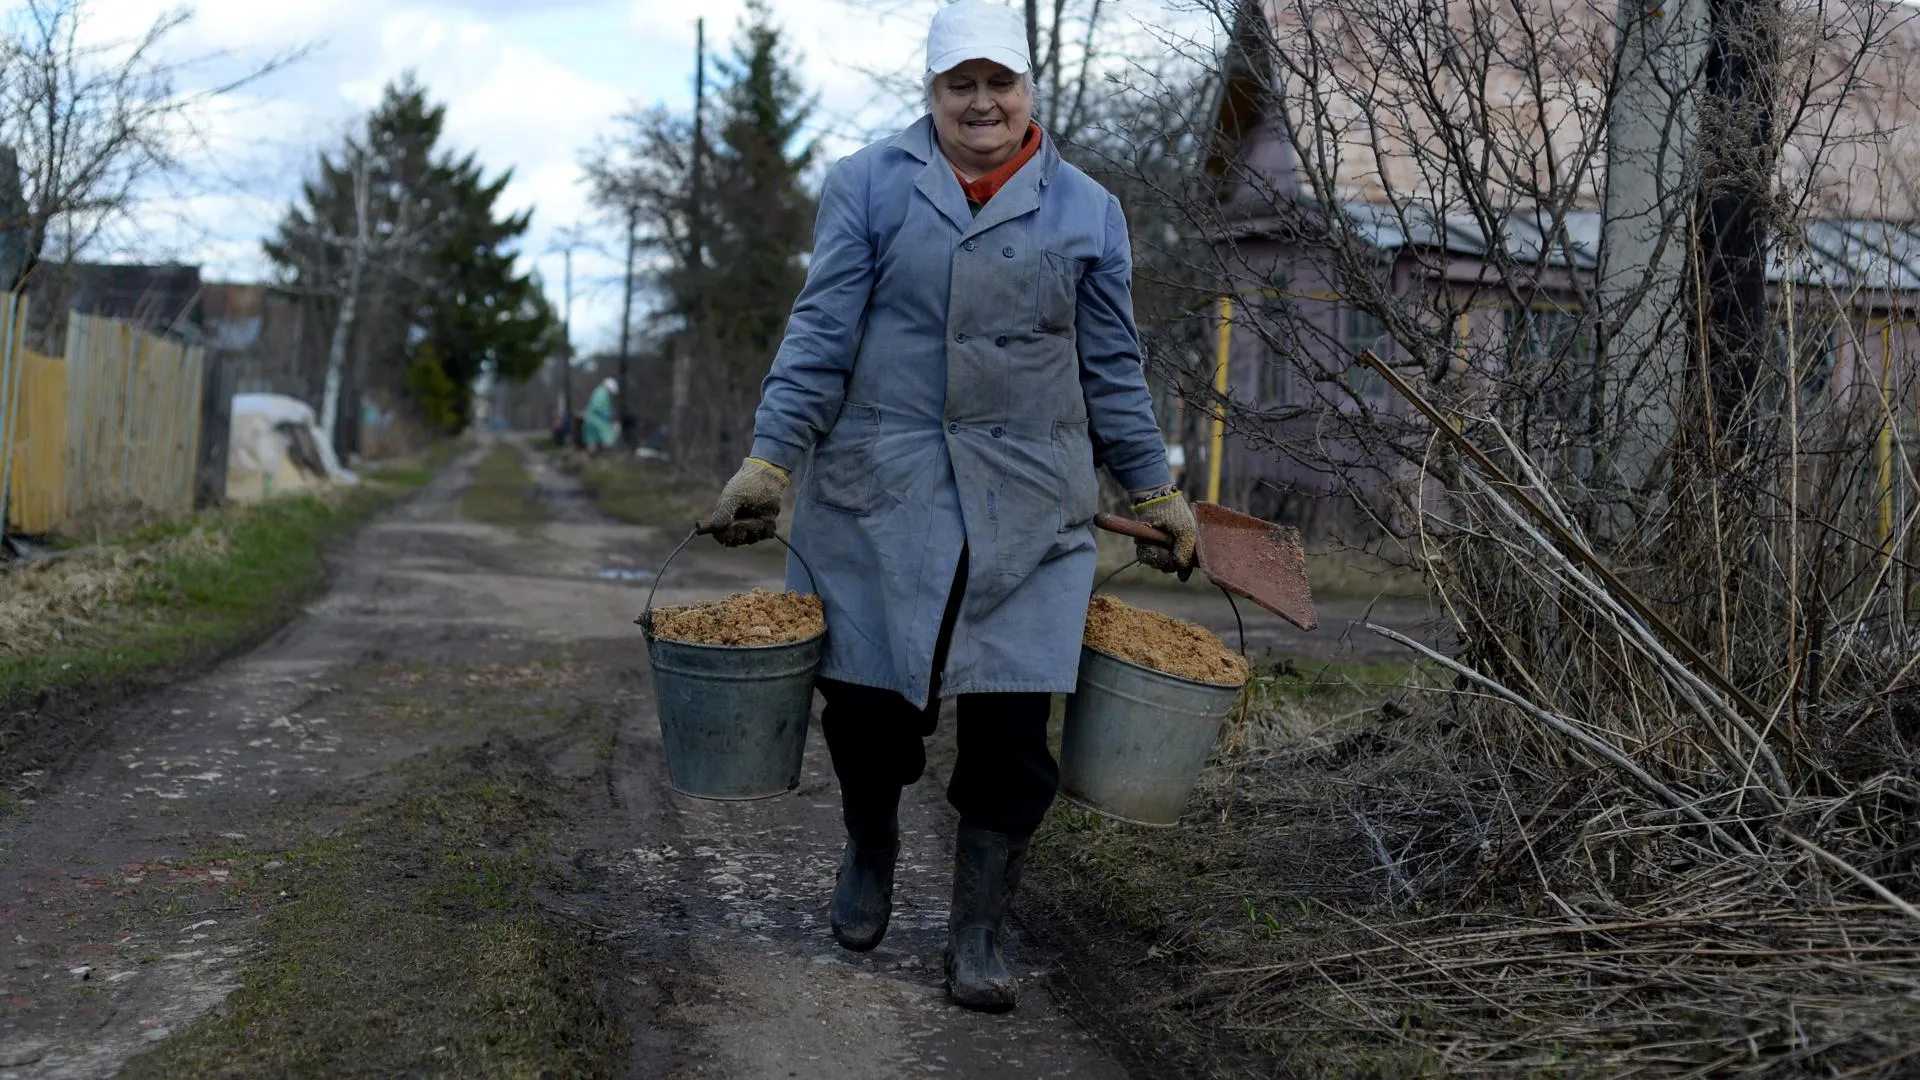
x=758, y=224
x=436, y=285
x=761, y=211
x=734, y=246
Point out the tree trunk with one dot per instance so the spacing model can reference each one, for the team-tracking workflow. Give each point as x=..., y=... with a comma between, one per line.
x=1736, y=211
x=337, y=359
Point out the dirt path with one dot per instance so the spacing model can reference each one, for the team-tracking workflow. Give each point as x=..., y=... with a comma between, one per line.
x=138, y=890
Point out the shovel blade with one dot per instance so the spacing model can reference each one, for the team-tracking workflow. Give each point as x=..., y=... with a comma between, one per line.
x=1256, y=559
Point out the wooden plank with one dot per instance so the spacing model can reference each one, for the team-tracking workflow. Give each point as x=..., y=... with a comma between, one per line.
x=38, y=502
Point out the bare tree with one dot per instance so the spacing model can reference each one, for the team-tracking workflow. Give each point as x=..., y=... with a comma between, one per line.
x=96, y=120
x=389, y=244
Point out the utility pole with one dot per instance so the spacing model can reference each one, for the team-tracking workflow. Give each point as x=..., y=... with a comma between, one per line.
x=1033, y=43
x=1652, y=168
x=695, y=240
x=564, y=243
x=687, y=344
x=566, y=325
x=626, y=309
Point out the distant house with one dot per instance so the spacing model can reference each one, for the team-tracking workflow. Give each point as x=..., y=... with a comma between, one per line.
x=271, y=339
x=1855, y=275
x=164, y=298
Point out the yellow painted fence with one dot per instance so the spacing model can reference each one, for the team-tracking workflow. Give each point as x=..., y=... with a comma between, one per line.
x=112, y=425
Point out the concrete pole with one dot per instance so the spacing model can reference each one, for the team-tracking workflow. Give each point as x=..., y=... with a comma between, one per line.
x=1651, y=183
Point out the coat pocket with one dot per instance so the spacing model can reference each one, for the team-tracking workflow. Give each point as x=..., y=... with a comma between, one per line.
x=1073, y=465
x=1059, y=293
x=841, y=476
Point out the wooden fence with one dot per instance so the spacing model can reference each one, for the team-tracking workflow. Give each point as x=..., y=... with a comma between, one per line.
x=13, y=326
x=114, y=425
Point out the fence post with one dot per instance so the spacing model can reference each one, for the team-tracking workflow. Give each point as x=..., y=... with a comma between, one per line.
x=216, y=424
x=12, y=360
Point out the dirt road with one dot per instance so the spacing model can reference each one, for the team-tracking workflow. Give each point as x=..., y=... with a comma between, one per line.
x=141, y=888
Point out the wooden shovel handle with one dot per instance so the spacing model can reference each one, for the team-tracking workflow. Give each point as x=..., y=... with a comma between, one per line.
x=1139, y=530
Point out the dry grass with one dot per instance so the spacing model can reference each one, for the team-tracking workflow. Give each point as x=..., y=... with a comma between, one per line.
x=1351, y=895
x=1655, y=816
x=49, y=601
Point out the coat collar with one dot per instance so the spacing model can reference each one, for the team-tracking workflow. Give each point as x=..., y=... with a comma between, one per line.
x=1021, y=195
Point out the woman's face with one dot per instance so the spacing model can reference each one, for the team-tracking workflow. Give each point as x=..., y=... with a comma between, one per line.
x=981, y=111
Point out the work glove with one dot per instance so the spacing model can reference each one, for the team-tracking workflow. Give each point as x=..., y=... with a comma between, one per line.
x=749, y=504
x=1171, y=514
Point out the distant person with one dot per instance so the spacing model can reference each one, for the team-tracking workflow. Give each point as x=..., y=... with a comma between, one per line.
x=961, y=359
x=562, y=423
x=603, y=425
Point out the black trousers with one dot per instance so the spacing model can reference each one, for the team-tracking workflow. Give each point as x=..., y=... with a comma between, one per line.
x=1004, y=778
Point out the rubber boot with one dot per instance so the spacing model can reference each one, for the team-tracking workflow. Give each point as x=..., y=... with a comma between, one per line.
x=863, y=890
x=986, y=871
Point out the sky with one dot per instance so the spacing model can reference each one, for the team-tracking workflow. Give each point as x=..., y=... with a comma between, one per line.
x=528, y=85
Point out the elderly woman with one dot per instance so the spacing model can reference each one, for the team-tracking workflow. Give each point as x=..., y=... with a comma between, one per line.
x=961, y=358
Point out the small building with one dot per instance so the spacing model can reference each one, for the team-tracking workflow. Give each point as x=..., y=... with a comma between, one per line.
x=163, y=298
x=1335, y=218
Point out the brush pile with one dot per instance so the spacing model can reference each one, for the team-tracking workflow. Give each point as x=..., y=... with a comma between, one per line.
x=1656, y=812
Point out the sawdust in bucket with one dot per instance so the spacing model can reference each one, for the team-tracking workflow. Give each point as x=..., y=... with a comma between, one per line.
x=1165, y=644
x=743, y=619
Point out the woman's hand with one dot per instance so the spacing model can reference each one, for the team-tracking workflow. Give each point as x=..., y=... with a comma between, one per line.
x=749, y=504
x=1170, y=513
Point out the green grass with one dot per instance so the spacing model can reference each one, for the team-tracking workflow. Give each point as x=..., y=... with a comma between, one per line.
x=502, y=493
x=640, y=492
x=188, y=609
x=412, y=944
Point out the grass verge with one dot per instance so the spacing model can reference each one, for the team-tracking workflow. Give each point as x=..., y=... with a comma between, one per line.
x=169, y=599
x=412, y=943
x=502, y=493
x=638, y=492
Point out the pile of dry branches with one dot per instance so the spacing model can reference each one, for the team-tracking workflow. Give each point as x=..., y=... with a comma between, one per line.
x=1656, y=816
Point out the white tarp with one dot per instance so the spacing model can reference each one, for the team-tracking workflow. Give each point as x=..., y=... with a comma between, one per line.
x=275, y=446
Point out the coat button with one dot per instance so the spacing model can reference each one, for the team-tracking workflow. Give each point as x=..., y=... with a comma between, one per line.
x=1001, y=341
x=961, y=337
x=1007, y=251
x=953, y=428
x=998, y=431
x=970, y=245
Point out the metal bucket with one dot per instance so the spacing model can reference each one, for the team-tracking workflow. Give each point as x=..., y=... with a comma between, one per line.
x=733, y=718
x=1136, y=739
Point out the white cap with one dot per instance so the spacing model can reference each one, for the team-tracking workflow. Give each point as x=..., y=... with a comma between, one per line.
x=977, y=30
x=612, y=385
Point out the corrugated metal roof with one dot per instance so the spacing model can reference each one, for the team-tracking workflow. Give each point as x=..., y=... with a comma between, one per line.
x=1846, y=255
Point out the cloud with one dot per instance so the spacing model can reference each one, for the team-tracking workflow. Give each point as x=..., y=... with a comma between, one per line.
x=527, y=87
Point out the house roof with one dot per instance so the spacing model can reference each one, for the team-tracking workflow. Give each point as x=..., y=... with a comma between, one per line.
x=165, y=297
x=1845, y=255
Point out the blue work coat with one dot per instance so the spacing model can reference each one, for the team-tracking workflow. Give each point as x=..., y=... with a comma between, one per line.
x=950, y=380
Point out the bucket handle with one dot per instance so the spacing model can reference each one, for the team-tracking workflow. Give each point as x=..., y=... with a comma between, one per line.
x=701, y=528
x=1238, y=624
